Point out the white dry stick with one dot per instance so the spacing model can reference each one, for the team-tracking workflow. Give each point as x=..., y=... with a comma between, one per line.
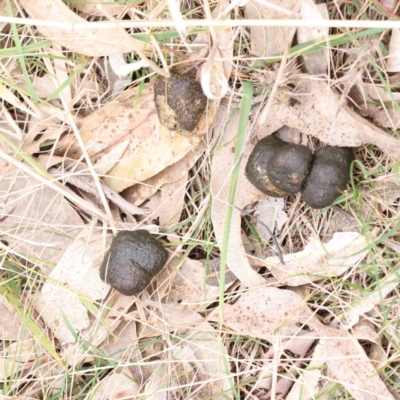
x=173, y=6
x=265, y=112
x=87, y=184
x=213, y=80
x=122, y=69
x=202, y=23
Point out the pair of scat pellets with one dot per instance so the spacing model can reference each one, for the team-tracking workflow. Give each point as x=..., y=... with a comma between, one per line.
x=274, y=167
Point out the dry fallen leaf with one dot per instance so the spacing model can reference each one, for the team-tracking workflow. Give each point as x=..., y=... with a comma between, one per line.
x=90, y=42
x=137, y=194
x=186, y=285
x=393, y=57
x=37, y=221
x=266, y=312
x=377, y=103
x=364, y=303
x=75, y=275
x=114, y=386
x=319, y=112
x=348, y=364
x=22, y=354
x=222, y=166
x=270, y=41
x=149, y=150
x=91, y=7
x=270, y=211
x=197, y=359
x=320, y=260
x=315, y=63
x=172, y=202
x=10, y=324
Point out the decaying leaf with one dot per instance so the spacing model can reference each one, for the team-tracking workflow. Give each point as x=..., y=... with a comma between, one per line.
x=222, y=166
x=90, y=42
x=317, y=62
x=74, y=276
x=319, y=112
x=270, y=41
x=37, y=221
x=377, y=103
x=320, y=260
x=122, y=344
x=172, y=202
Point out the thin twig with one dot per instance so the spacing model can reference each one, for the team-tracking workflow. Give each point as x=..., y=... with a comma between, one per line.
x=202, y=23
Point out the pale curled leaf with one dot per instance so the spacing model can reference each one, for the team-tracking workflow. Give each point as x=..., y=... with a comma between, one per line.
x=222, y=166
x=95, y=42
x=364, y=303
x=20, y=354
x=75, y=275
x=318, y=260
x=89, y=8
x=320, y=113
x=172, y=202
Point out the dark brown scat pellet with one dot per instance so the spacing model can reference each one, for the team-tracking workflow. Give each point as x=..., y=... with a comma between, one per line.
x=328, y=177
x=180, y=102
x=132, y=261
x=288, y=167
x=256, y=167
